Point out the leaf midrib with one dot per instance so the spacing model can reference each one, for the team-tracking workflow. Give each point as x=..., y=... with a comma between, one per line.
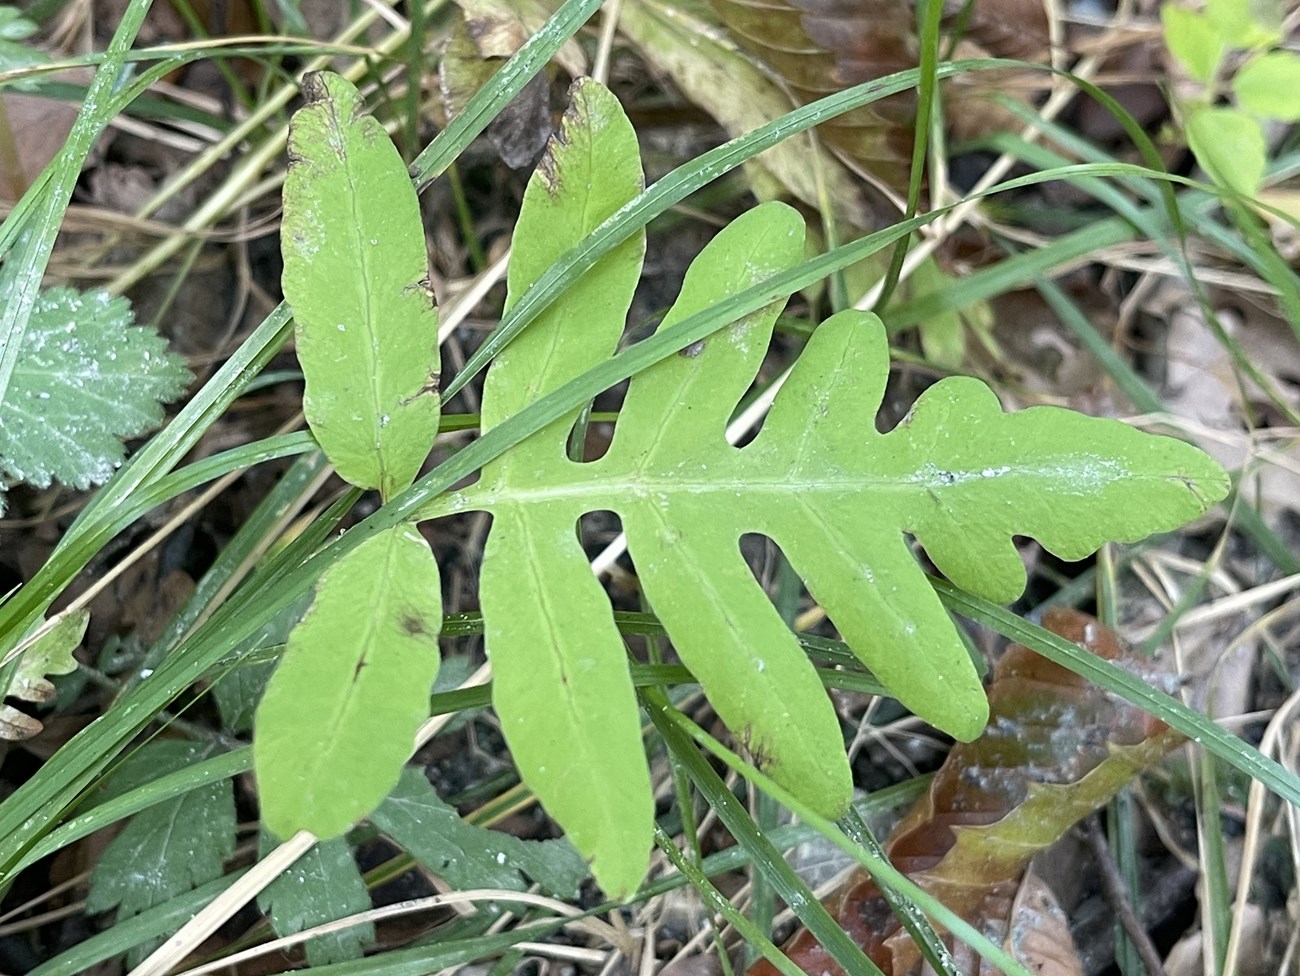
x=604, y=492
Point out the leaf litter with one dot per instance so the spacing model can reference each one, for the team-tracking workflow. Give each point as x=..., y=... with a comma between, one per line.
x=463, y=769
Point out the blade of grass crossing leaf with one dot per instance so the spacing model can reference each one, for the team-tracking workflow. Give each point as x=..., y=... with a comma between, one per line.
x=766, y=811
x=684, y=180
x=917, y=925
x=141, y=929
x=588, y=171
x=674, y=188
x=1173, y=713
x=356, y=274
x=193, y=776
x=167, y=849
x=487, y=102
x=321, y=886
x=24, y=266
x=630, y=361
x=338, y=719
x=928, y=16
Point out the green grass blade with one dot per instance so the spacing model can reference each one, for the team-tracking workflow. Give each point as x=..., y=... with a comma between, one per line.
x=765, y=857
x=1172, y=712
x=488, y=101
x=26, y=261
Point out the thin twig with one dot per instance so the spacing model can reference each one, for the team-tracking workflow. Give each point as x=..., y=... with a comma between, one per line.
x=1117, y=895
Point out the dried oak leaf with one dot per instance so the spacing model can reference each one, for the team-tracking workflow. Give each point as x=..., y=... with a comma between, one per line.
x=1055, y=749
x=824, y=46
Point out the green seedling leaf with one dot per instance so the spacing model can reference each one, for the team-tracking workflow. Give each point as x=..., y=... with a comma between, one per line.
x=321, y=886
x=86, y=379
x=567, y=705
x=1193, y=40
x=356, y=273
x=839, y=497
x=14, y=54
x=338, y=719
x=1246, y=24
x=465, y=856
x=1230, y=146
x=168, y=849
x=50, y=654
x=1269, y=85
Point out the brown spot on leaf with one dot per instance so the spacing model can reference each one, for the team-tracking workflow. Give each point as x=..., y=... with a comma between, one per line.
x=546, y=167
x=423, y=287
x=693, y=350
x=313, y=87
x=413, y=625
x=432, y=386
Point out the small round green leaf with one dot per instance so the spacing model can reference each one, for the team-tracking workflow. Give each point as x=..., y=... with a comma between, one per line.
x=1229, y=145
x=1193, y=40
x=1269, y=85
x=1246, y=24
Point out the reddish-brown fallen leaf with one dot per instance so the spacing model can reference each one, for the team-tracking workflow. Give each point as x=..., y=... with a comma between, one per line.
x=1056, y=748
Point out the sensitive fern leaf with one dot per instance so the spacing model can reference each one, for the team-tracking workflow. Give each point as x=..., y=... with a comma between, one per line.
x=839, y=497
x=85, y=380
x=338, y=719
x=357, y=276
